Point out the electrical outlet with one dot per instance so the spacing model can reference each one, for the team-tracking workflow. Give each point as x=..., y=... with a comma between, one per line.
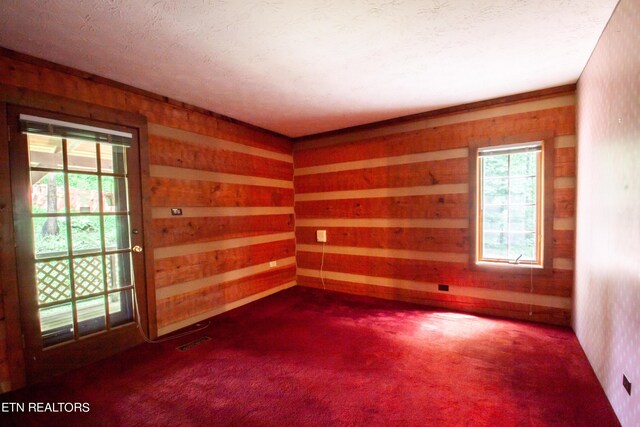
x=273, y=263
x=321, y=236
x=443, y=288
x=176, y=211
x=626, y=384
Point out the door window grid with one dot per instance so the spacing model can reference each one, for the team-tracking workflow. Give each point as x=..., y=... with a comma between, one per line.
x=109, y=285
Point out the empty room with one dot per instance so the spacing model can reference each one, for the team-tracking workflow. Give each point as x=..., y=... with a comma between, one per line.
x=320, y=213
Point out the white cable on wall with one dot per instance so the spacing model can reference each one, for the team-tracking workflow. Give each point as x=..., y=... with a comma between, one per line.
x=321, y=267
x=531, y=289
x=199, y=327
x=531, y=283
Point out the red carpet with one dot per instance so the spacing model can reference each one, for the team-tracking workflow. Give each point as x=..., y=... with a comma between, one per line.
x=305, y=357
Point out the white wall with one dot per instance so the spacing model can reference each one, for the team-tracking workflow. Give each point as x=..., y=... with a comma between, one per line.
x=607, y=285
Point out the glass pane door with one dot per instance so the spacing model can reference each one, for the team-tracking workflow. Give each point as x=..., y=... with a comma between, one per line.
x=80, y=217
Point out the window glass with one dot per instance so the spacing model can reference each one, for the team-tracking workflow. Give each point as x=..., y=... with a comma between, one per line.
x=81, y=155
x=45, y=152
x=509, y=198
x=81, y=241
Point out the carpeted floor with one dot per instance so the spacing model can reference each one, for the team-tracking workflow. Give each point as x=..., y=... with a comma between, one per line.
x=307, y=357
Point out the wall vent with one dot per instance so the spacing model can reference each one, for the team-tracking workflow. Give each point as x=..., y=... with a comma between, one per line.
x=192, y=344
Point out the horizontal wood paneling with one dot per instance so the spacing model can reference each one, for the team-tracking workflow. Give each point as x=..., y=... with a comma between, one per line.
x=190, y=304
x=556, y=316
x=564, y=202
x=564, y=243
x=564, y=182
x=225, y=307
x=560, y=119
x=386, y=202
x=450, y=171
x=422, y=190
x=216, y=245
x=212, y=141
x=192, y=285
x=563, y=263
x=172, y=152
x=565, y=141
x=419, y=239
x=564, y=223
x=453, y=273
x=430, y=207
x=184, y=268
x=180, y=231
x=172, y=172
x=165, y=192
x=464, y=291
x=23, y=74
x=406, y=159
x=565, y=162
x=462, y=114
x=387, y=253
x=383, y=222
x=196, y=212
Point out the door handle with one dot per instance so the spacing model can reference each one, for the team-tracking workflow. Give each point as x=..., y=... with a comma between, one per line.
x=137, y=248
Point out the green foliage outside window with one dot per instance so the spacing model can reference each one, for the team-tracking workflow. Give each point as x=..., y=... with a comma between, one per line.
x=85, y=230
x=509, y=197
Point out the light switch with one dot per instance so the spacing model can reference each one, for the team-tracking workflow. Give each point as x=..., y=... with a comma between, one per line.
x=321, y=236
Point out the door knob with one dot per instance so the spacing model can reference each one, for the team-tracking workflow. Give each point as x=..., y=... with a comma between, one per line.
x=137, y=248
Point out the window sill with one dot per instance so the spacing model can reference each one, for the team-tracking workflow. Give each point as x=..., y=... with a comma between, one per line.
x=511, y=268
x=509, y=264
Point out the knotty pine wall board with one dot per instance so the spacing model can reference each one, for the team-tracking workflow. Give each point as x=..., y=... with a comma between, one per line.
x=560, y=119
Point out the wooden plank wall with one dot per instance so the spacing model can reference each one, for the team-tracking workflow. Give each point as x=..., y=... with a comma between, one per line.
x=237, y=204
x=394, y=201
x=7, y=257
x=233, y=182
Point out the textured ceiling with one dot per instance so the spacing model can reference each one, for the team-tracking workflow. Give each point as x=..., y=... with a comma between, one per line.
x=299, y=67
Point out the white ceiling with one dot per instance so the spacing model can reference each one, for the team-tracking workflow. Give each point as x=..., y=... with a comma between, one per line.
x=300, y=67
